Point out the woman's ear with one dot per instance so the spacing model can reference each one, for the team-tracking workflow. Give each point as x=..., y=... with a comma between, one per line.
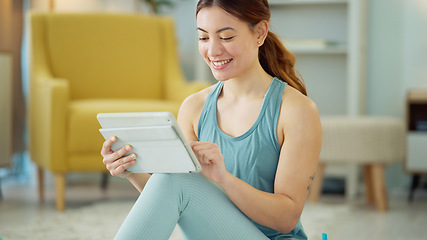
x=261, y=31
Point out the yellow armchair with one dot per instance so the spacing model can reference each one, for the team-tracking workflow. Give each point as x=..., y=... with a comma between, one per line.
x=84, y=64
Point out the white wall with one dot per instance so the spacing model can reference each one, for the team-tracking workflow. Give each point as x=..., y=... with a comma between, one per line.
x=397, y=53
x=415, y=44
x=184, y=14
x=385, y=85
x=397, y=61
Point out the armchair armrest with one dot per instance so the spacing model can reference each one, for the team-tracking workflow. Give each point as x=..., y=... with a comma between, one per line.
x=48, y=107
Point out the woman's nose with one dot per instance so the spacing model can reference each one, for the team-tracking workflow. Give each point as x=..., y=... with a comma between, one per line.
x=215, y=48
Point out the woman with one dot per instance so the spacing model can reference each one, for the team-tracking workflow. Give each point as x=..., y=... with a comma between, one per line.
x=255, y=133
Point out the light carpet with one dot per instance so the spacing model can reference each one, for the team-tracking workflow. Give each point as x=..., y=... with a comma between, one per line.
x=103, y=219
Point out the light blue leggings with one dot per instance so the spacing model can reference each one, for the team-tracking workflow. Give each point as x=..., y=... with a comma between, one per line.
x=200, y=208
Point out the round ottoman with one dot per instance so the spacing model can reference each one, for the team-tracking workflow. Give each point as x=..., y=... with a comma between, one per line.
x=372, y=142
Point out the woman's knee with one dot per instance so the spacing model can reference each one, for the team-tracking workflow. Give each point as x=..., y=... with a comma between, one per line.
x=172, y=181
x=178, y=179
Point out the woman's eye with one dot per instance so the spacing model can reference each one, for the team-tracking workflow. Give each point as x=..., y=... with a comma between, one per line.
x=203, y=38
x=227, y=39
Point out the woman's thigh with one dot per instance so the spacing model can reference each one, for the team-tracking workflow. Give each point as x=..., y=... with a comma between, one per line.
x=200, y=208
x=207, y=213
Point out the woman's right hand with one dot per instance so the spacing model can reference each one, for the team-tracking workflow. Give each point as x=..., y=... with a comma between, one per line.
x=116, y=162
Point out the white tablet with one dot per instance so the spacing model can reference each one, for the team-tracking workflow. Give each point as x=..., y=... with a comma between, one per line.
x=156, y=139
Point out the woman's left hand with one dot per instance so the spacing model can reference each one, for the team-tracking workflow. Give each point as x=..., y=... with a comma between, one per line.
x=211, y=160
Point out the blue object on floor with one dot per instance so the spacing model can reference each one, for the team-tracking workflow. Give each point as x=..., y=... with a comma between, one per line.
x=324, y=236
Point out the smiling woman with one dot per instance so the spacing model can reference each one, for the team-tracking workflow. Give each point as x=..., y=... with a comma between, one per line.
x=253, y=183
x=274, y=58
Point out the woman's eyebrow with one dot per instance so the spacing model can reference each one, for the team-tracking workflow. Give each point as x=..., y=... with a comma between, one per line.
x=220, y=30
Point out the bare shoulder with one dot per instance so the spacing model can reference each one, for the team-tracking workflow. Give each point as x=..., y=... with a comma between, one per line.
x=298, y=111
x=194, y=102
x=294, y=101
x=189, y=112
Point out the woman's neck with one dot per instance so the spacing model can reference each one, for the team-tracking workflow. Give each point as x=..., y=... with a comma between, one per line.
x=253, y=84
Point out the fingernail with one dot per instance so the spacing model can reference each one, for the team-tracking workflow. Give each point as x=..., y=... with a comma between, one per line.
x=128, y=147
x=113, y=138
x=133, y=155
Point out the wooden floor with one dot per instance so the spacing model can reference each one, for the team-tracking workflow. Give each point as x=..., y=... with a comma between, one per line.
x=334, y=214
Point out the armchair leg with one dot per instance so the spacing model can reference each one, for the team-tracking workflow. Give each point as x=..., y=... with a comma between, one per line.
x=316, y=188
x=40, y=178
x=60, y=191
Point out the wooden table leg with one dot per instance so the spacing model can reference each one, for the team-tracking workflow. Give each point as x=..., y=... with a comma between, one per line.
x=379, y=187
x=367, y=174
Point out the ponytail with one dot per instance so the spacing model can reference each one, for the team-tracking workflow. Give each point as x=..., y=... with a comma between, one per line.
x=277, y=61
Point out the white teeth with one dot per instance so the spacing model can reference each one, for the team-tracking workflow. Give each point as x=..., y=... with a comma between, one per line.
x=217, y=64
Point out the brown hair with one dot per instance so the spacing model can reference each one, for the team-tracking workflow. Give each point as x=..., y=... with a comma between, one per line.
x=275, y=59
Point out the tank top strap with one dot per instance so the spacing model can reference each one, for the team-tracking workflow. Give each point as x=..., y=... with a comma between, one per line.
x=209, y=105
x=273, y=101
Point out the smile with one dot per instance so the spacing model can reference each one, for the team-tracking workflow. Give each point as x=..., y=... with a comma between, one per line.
x=221, y=63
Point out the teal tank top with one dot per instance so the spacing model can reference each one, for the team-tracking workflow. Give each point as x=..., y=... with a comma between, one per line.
x=252, y=156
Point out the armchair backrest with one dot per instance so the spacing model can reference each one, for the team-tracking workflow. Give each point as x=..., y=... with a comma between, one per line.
x=104, y=55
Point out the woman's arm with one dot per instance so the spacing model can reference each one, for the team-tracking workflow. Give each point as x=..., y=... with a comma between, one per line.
x=117, y=163
x=189, y=113
x=139, y=180
x=280, y=210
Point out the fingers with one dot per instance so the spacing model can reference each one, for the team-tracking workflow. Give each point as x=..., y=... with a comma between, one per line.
x=206, y=152
x=116, y=162
x=124, y=161
x=207, y=156
x=121, y=170
x=113, y=156
x=106, y=147
x=118, y=167
x=192, y=143
x=202, y=145
x=122, y=151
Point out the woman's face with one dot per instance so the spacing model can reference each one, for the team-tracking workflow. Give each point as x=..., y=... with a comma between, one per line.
x=227, y=44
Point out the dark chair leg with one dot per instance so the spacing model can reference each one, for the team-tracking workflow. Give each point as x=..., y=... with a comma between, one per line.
x=104, y=181
x=414, y=185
